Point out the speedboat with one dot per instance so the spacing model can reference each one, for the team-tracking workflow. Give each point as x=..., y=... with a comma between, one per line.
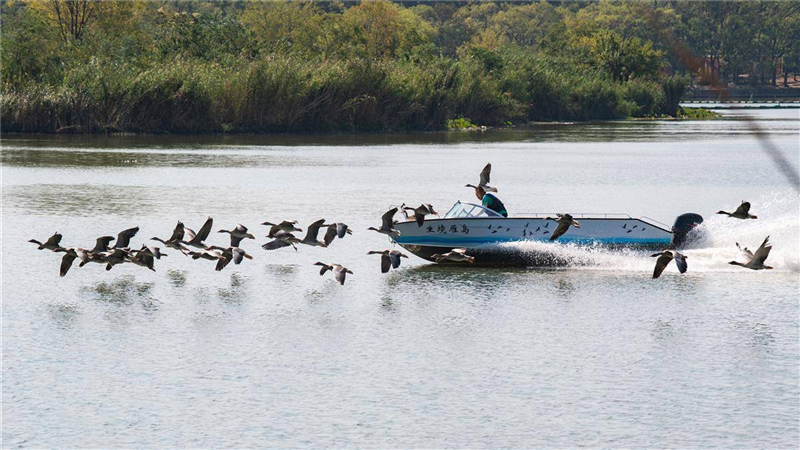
x=483, y=232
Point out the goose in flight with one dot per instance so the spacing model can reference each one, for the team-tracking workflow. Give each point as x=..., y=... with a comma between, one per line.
x=282, y=239
x=235, y=254
x=455, y=255
x=420, y=212
x=287, y=226
x=145, y=256
x=339, y=272
x=124, y=238
x=115, y=257
x=484, y=180
x=335, y=230
x=664, y=259
x=390, y=259
x=237, y=234
x=70, y=255
x=196, y=239
x=99, y=252
x=176, y=240
x=51, y=243
x=387, y=224
x=742, y=212
x=312, y=233
x=210, y=253
x=756, y=261
x=564, y=222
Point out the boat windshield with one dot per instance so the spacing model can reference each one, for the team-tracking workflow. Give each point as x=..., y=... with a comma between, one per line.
x=461, y=210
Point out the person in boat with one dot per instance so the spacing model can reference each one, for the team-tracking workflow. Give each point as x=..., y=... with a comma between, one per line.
x=490, y=201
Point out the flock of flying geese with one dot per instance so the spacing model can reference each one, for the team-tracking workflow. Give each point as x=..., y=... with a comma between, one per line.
x=282, y=234
x=755, y=261
x=191, y=243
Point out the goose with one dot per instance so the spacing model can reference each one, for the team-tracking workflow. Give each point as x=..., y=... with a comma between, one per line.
x=664, y=259
x=390, y=259
x=124, y=238
x=98, y=253
x=564, y=222
x=237, y=234
x=339, y=272
x=455, y=255
x=144, y=257
x=196, y=239
x=235, y=254
x=335, y=230
x=51, y=243
x=70, y=255
x=176, y=240
x=282, y=239
x=756, y=261
x=484, y=180
x=115, y=257
x=311, y=235
x=210, y=253
x=420, y=212
x=287, y=226
x=387, y=224
x=742, y=212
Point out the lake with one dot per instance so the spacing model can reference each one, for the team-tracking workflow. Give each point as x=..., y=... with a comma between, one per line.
x=270, y=354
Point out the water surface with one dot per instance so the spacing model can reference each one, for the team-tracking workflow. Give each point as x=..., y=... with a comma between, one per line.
x=269, y=353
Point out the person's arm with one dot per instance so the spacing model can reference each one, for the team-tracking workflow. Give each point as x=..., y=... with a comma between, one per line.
x=486, y=201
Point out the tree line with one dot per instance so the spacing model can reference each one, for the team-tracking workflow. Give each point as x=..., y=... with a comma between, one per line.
x=229, y=66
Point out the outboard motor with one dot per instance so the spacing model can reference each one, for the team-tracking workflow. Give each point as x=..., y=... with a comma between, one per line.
x=683, y=226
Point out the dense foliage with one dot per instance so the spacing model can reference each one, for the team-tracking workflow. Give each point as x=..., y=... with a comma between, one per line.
x=194, y=67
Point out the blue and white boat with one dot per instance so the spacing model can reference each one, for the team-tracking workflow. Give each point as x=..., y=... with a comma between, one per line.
x=480, y=230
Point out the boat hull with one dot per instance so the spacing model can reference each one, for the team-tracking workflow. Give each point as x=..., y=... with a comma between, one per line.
x=482, y=237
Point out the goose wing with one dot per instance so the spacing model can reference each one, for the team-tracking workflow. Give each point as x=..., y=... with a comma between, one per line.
x=386, y=263
x=680, y=262
x=661, y=264
x=147, y=259
x=124, y=237
x=101, y=245
x=394, y=257
x=66, y=263
x=560, y=230
x=330, y=235
x=387, y=219
x=54, y=240
x=241, y=228
x=238, y=255
x=745, y=250
x=324, y=268
x=744, y=208
x=177, y=233
x=313, y=230
x=762, y=252
x=236, y=240
x=341, y=230
x=463, y=251
x=190, y=234
x=205, y=230
x=486, y=174
x=275, y=244
x=221, y=263
x=340, y=273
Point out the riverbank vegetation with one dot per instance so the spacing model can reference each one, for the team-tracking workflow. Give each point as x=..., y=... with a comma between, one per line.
x=198, y=67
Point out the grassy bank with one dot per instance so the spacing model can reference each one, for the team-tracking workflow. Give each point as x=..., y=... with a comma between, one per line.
x=287, y=94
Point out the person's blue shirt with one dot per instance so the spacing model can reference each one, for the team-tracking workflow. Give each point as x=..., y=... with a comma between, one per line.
x=490, y=201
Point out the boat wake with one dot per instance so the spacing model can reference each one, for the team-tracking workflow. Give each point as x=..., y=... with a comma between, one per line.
x=714, y=247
